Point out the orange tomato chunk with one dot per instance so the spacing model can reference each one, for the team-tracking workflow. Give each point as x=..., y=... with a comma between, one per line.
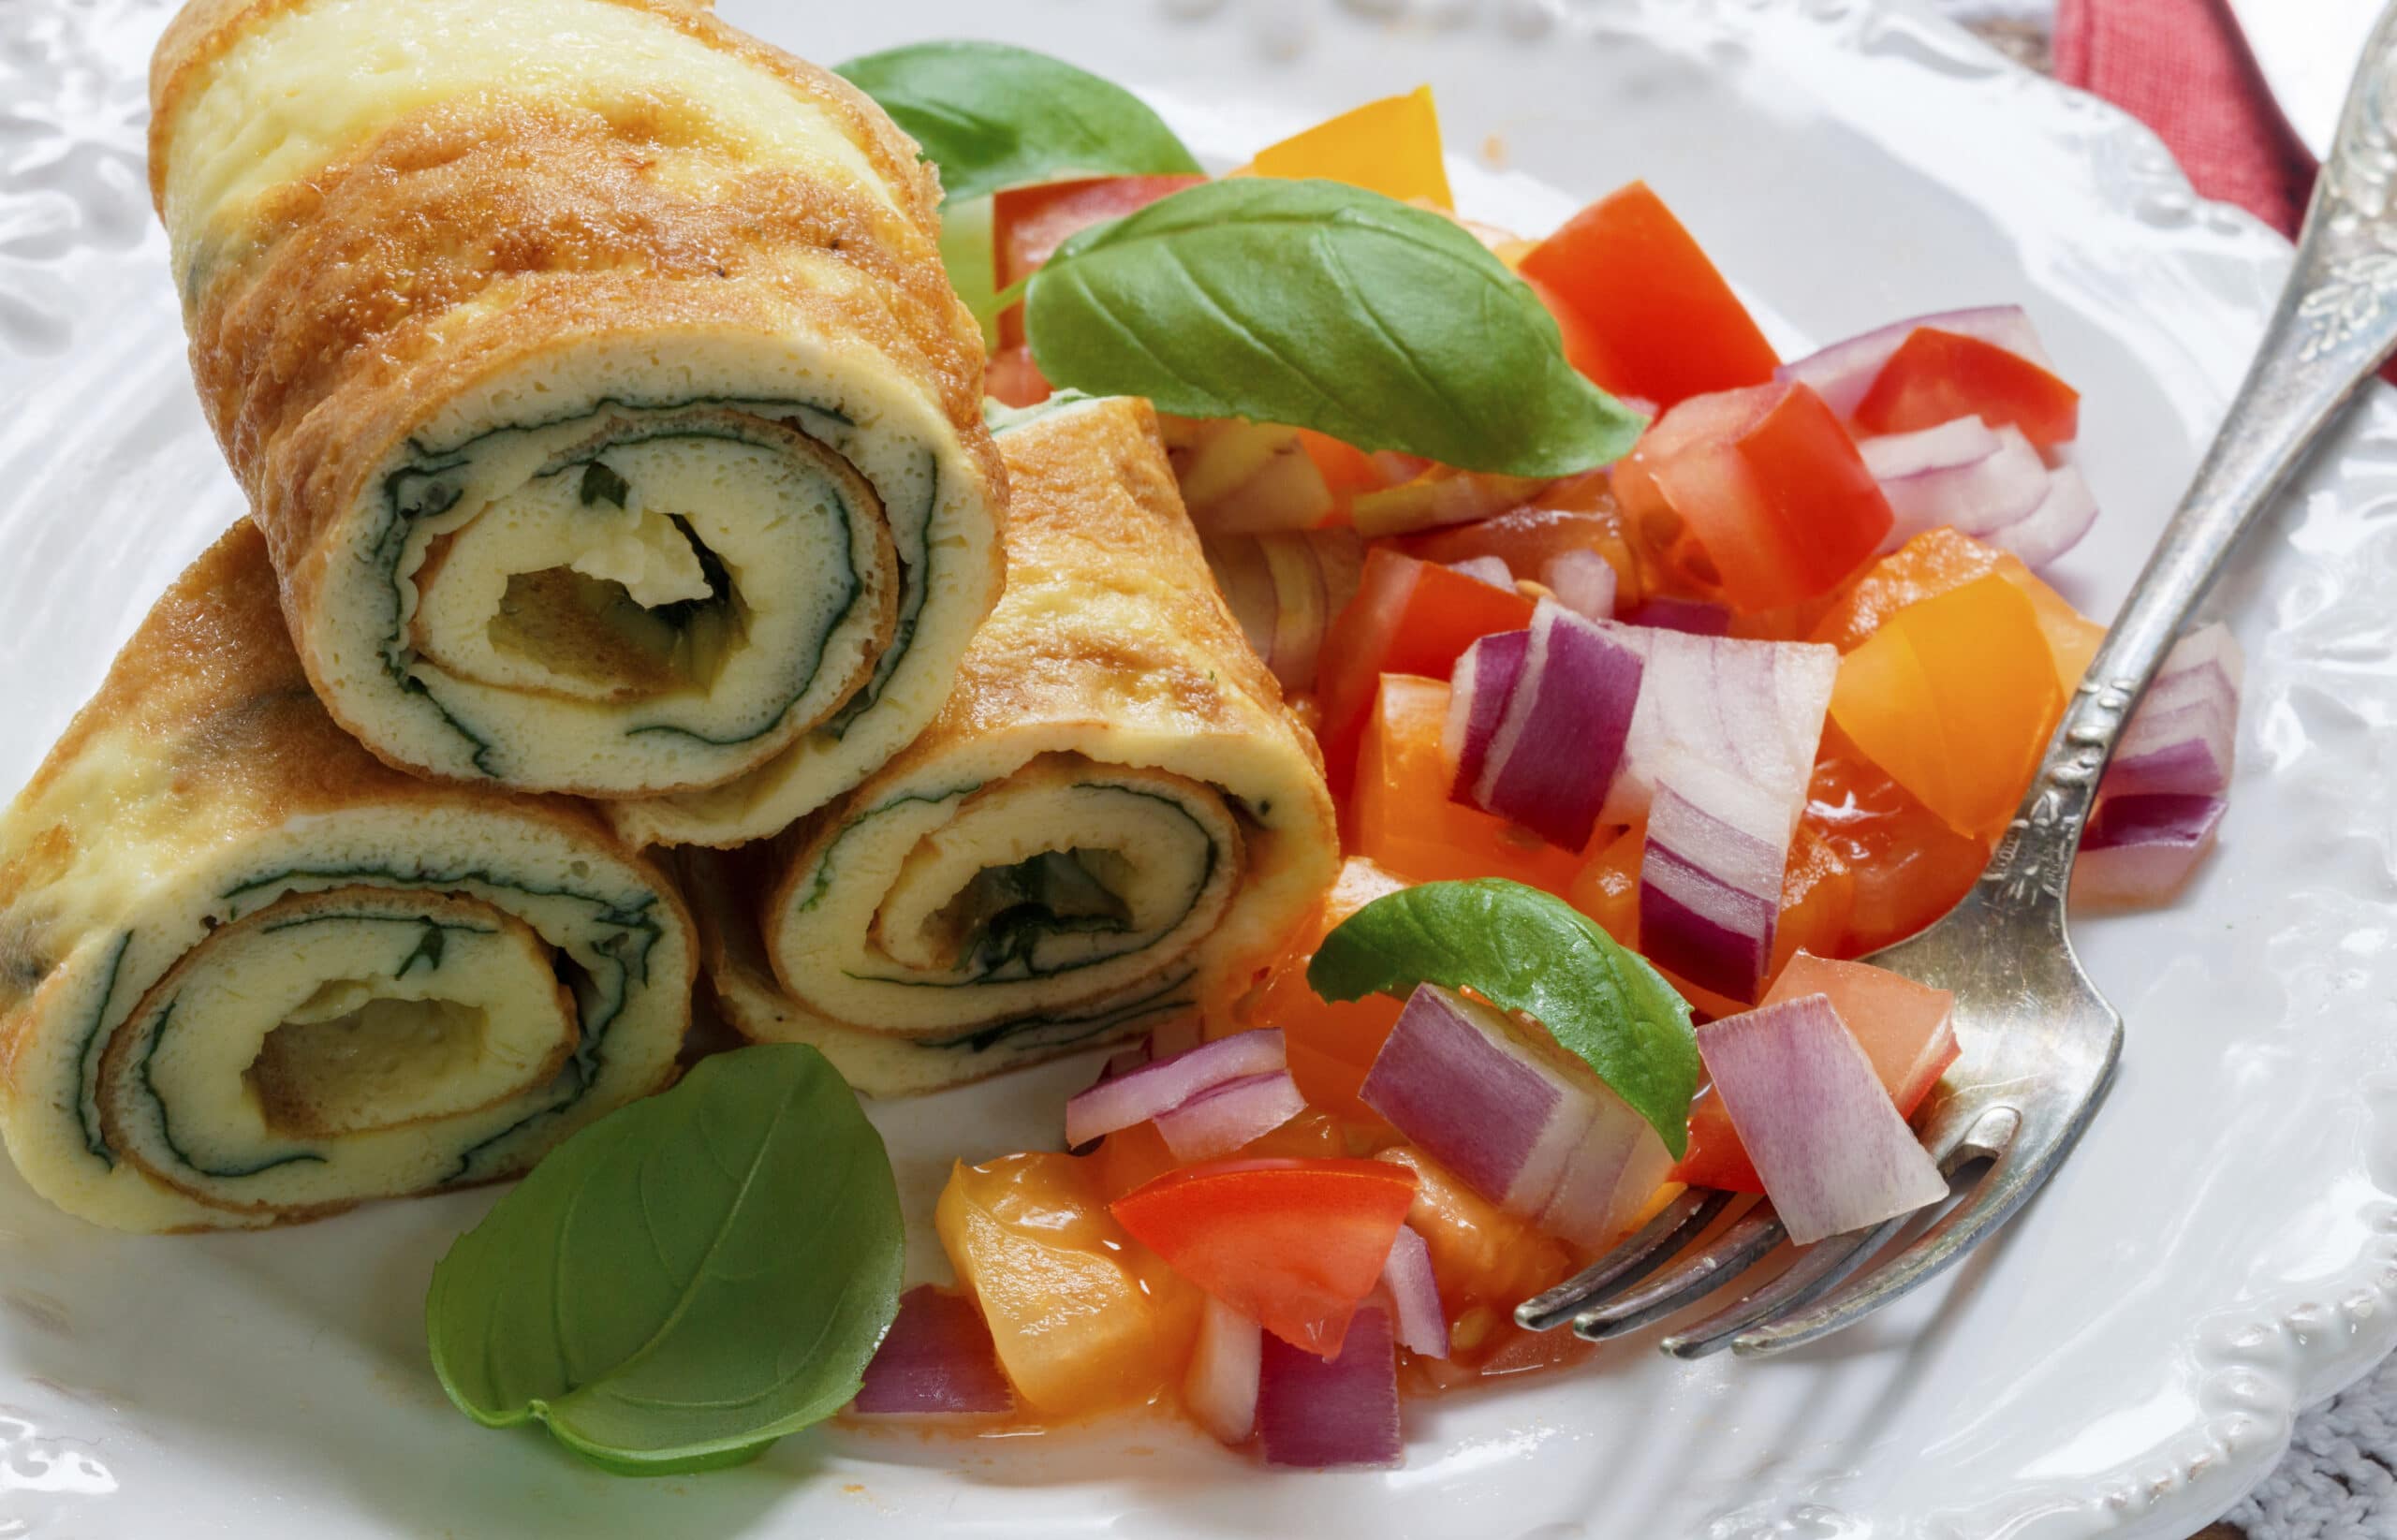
x=1390, y=146
x=1941, y=561
x=1905, y=866
x=1082, y=1318
x=1331, y=1044
x=1955, y=697
x=1400, y=816
x=1480, y=1254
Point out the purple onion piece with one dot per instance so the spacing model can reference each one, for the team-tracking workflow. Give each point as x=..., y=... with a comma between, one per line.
x=1326, y=1414
x=1549, y=764
x=1422, y=1321
x=1216, y=1122
x=1583, y=581
x=2064, y=514
x=2142, y=850
x=937, y=1360
x=1479, y=690
x=1141, y=1093
x=1710, y=877
x=1752, y=707
x=1220, y=1389
x=1825, y=1137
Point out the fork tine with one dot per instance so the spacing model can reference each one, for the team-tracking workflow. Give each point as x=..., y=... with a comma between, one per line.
x=1647, y=1250
x=2014, y=1175
x=1818, y=1267
x=1735, y=1250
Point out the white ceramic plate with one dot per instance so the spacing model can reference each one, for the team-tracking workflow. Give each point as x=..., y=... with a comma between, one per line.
x=2124, y=1360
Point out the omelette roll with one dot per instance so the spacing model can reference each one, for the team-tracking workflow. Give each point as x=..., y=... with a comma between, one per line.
x=592, y=373
x=249, y=973
x=1113, y=820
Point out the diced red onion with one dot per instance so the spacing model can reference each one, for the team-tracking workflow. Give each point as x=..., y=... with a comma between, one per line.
x=1422, y=1322
x=1493, y=570
x=2142, y=850
x=1693, y=617
x=1950, y=446
x=1216, y=1123
x=1549, y=763
x=1463, y=1082
x=2183, y=735
x=1710, y=878
x=1752, y=707
x=937, y=1360
x=1583, y=581
x=1827, y=1140
x=1284, y=588
x=1980, y=497
x=1844, y=371
x=1323, y=1414
x=1142, y=1093
x=2064, y=515
x=1478, y=694
x=1608, y=1179
x=1220, y=1389
x=1121, y=1061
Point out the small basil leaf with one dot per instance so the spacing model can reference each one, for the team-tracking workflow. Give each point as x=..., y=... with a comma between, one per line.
x=1322, y=307
x=688, y=1279
x=1528, y=950
x=992, y=116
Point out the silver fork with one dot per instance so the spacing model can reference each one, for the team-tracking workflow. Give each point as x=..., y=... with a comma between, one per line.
x=2040, y=1042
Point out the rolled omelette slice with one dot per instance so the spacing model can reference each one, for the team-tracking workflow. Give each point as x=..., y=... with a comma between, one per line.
x=249, y=973
x=1113, y=821
x=593, y=373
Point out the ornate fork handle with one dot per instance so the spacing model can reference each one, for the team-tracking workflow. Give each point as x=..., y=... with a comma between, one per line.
x=2335, y=322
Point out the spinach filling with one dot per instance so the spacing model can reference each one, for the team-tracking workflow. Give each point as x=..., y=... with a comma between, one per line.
x=600, y=971
x=1006, y=911
x=433, y=480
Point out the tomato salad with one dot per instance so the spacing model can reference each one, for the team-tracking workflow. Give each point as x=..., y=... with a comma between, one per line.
x=1684, y=735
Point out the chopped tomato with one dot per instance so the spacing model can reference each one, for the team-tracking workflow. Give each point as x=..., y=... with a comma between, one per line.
x=1905, y=866
x=1294, y=1245
x=1817, y=899
x=1082, y=1318
x=1012, y=377
x=1585, y=347
x=1608, y=887
x=1408, y=617
x=1331, y=1044
x=1129, y=1158
x=1937, y=377
x=1769, y=487
x=1940, y=561
x=1029, y=224
x=1955, y=697
x=1480, y=1254
x=1401, y=814
x=1390, y=146
x=1655, y=310
x=1903, y=1027
x=1580, y=514
x=1345, y=469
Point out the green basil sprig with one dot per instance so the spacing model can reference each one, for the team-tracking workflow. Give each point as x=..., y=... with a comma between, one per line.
x=992, y=116
x=1528, y=950
x=688, y=1279
x=1323, y=306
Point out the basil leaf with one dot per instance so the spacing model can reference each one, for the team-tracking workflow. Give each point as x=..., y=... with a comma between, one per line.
x=1526, y=950
x=1323, y=306
x=688, y=1279
x=992, y=116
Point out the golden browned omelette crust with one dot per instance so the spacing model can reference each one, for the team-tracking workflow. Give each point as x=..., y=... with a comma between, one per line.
x=485, y=233
x=1109, y=713
x=204, y=847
